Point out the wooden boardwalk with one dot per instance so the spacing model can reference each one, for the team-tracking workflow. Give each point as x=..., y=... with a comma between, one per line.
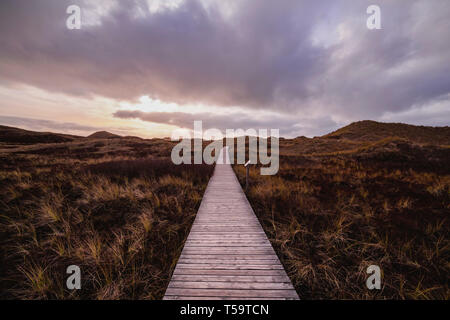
x=227, y=254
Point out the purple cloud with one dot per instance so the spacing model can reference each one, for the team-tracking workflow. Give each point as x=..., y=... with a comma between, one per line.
x=293, y=57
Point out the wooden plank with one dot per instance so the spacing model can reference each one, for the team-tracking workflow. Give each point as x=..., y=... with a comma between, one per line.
x=231, y=233
x=229, y=285
x=228, y=245
x=282, y=293
x=255, y=241
x=229, y=229
x=227, y=236
x=208, y=278
x=220, y=298
x=227, y=250
x=227, y=254
x=227, y=242
x=227, y=261
x=221, y=266
x=229, y=257
x=233, y=272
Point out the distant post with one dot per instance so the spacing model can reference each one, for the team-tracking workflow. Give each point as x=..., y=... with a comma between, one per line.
x=247, y=167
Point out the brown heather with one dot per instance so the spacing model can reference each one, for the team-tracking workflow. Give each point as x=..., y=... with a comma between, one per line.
x=338, y=205
x=368, y=193
x=119, y=209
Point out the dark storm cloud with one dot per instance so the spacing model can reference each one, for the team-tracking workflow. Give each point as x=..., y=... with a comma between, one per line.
x=191, y=54
x=403, y=65
x=290, y=56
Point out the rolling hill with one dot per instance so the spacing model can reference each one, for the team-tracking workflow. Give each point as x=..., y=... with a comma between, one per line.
x=104, y=135
x=371, y=131
x=20, y=136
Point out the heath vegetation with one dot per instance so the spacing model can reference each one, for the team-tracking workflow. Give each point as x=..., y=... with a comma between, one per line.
x=358, y=197
x=117, y=208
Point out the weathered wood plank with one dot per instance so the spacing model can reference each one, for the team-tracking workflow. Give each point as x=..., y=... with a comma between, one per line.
x=220, y=298
x=230, y=257
x=228, y=250
x=221, y=266
x=226, y=236
x=281, y=293
x=230, y=272
x=225, y=232
x=227, y=242
x=229, y=285
x=227, y=254
x=228, y=278
x=229, y=261
x=227, y=245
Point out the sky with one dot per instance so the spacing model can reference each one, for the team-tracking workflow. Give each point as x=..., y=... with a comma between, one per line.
x=149, y=67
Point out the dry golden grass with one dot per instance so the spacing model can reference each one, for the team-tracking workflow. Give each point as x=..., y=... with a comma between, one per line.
x=122, y=219
x=121, y=211
x=331, y=215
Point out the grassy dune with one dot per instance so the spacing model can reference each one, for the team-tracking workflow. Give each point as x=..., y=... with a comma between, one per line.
x=119, y=209
x=119, y=214
x=332, y=211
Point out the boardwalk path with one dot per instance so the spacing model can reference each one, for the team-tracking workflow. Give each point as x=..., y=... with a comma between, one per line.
x=227, y=254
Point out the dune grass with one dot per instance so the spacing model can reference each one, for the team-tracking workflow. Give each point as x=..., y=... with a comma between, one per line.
x=121, y=211
x=331, y=216
x=123, y=222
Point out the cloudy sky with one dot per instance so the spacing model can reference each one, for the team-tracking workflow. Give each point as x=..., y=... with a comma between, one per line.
x=147, y=67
